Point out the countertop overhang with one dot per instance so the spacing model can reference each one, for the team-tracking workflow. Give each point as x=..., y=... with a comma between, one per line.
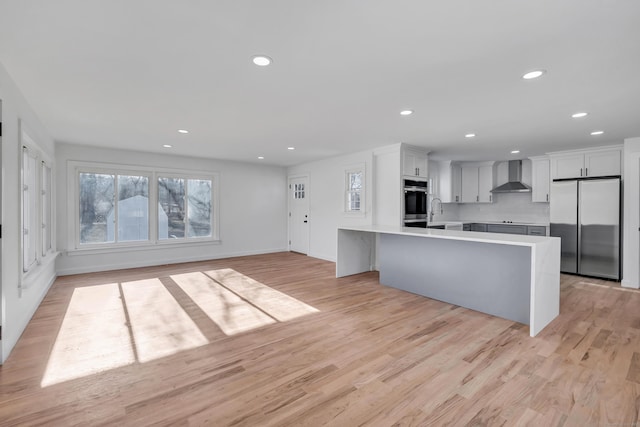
x=471, y=236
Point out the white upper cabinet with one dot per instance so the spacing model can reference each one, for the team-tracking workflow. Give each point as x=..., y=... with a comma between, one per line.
x=485, y=184
x=477, y=183
x=586, y=163
x=447, y=181
x=540, y=177
x=603, y=163
x=414, y=163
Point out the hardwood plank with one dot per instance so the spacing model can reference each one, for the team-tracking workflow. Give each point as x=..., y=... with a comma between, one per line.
x=304, y=348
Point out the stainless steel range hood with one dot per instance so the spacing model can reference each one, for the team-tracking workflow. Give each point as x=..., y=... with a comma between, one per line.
x=515, y=184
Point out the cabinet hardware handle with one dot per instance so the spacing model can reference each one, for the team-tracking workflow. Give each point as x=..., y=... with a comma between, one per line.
x=580, y=171
x=477, y=198
x=586, y=171
x=547, y=197
x=490, y=197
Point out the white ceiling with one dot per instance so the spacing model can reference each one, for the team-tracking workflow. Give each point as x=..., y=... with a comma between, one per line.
x=129, y=74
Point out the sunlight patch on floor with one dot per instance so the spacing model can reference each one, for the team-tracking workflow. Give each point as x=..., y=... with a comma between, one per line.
x=118, y=324
x=94, y=336
x=159, y=325
x=276, y=304
x=226, y=309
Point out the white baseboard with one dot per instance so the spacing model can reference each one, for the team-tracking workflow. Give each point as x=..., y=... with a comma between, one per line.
x=629, y=284
x=174, y=260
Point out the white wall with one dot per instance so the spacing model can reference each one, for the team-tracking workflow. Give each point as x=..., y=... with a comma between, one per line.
x=631, y=214
x=252, y=210
x=17, y=310
x=326, y=200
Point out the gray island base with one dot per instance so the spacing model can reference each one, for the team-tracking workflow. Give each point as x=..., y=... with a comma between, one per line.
x=513, y=277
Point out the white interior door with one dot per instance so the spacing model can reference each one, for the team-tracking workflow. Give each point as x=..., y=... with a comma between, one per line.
x=299, y=214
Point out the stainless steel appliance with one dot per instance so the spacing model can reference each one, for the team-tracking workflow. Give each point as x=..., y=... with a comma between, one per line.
x=585, y=214
x=415, y=203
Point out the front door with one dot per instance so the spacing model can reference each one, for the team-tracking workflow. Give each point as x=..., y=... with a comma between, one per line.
x=299, y=214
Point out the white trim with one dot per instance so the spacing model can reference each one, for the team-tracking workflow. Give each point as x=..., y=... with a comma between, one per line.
x=29, y=147
x=289, y=178
x=74, y=168
x=170, y=259
x=362, y=212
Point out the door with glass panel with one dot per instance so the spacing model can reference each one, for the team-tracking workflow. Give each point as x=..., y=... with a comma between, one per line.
x=299, y=214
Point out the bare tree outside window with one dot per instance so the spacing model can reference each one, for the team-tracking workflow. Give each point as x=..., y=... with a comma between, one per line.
x=97, y=197
x=354, y=191
x=171, y=197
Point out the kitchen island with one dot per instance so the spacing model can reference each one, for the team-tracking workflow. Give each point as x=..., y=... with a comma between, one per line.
x=511, y=276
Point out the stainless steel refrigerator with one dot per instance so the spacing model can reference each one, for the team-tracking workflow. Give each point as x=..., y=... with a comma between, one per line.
x=585, y=214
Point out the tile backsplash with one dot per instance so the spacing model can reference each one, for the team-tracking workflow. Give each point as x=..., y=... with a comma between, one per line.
x=516, y=207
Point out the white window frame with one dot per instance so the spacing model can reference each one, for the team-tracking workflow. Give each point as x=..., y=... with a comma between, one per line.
x=359, y=168
x=35, y=208
x=73, y=208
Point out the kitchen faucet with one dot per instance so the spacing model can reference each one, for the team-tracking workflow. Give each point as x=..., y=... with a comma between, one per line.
x=431, y=210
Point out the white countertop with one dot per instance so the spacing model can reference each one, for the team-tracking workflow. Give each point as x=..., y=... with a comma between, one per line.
x=539, y=224
x=471, y=236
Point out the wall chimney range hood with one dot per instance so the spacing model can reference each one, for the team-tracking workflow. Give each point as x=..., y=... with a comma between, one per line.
x=515, y=184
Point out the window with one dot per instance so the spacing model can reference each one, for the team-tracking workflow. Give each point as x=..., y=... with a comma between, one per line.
x=141, y=206
x=107, y=219
x=354, y=190
x=29, y=208
x=298, y=191
x=177, y=220
x=47, y=212
x=36, y=204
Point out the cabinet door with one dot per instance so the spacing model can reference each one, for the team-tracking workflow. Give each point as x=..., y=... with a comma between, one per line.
x=567, y=166
x=603, y=163
x=485, y=184
x=409, y=163
x=469, y=184
x=422, y=165
x=541, y=179
x=507, y=229
x=456, y=183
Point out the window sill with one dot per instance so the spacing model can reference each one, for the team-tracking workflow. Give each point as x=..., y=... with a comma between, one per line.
x=33, y=275
x=354, y=214
x=140, y=247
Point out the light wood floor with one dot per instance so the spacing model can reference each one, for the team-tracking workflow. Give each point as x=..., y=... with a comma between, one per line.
x=172, y=346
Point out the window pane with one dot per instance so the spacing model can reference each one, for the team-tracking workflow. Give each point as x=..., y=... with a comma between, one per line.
x=133, y=209
x=171, y=192
x=96, y=207
x=199, y=191
x=354, y=190
x=28, y=210
x=46, y=208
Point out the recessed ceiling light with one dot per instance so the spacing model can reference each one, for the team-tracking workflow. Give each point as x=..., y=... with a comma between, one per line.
x=515, y=151
x=167, y=146
x=260, y=157
x=533, y=74
x=406, y=112
x=183, y=131
x=578, y=115
x=261, y=60
x=291, y=148
x=597, y=132
x=470, y=135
